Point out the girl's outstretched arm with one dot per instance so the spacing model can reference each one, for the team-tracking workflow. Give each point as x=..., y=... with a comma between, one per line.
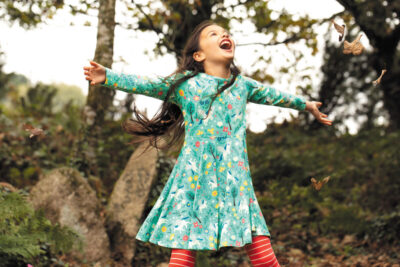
x=263, y=94
x=129, y=83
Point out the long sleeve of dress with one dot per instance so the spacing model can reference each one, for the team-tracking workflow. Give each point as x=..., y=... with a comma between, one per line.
x=137, y=84
x=263, y=94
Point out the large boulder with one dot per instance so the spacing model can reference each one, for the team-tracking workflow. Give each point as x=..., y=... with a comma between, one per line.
x=128, y=201
x=67, y=198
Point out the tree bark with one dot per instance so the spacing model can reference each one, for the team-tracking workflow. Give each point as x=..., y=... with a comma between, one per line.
x=100, y=98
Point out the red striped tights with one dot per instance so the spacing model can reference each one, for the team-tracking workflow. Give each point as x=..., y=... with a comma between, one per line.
x=259, y=251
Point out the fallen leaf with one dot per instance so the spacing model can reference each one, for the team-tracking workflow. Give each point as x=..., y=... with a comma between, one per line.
x=339, y=29
x=355, y=47
x=378, y=81
x=34, y=131
x=318, y=184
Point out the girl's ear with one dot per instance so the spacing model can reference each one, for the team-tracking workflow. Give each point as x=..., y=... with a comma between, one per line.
x=198, y=56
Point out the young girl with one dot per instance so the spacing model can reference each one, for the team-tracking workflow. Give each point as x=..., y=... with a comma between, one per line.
x=208, y=201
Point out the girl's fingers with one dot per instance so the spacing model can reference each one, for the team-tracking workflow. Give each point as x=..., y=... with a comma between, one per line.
x=94, y=63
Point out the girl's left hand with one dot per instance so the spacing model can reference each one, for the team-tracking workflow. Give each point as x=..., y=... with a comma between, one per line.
x=312, y=107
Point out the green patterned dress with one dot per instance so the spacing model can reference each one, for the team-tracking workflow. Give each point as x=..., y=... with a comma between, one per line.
x=208, y=201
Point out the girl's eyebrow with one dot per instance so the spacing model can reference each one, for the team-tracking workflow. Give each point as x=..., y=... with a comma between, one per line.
x=214, y=31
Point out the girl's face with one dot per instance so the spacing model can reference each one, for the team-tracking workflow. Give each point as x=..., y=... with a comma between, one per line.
x=216, y=46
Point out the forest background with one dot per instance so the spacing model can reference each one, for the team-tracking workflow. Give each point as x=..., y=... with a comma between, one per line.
x=353, y=220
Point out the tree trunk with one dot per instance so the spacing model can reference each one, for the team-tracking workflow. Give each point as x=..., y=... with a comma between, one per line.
x=100, y=98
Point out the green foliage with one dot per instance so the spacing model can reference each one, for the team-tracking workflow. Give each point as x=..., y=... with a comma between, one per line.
x=65, y=140
x=27, y=236
x=358, y=199
x=31, y=13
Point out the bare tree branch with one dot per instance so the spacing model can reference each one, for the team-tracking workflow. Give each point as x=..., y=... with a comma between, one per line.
x=223, y=8
x=157, y=30
x=294, y=38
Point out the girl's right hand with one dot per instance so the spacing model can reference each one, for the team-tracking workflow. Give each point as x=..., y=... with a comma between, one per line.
x=312, y=107
x=95, y=73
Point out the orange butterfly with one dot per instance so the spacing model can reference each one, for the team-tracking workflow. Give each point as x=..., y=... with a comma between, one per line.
x=339, y=29
x=355, y=47
x=34, y=131
x=318, y=184
x=378, y=81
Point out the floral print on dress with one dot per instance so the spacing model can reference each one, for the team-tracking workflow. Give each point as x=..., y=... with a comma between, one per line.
x=208, y=201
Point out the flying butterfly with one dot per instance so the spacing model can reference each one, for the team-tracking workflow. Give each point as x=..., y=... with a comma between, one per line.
x=318, y=184
x=34, y=131
x=339, y=29
x=378, y=81
x=355, y=47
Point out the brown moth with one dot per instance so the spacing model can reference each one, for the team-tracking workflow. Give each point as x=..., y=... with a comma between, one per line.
x=318, y=184
x=378, y=81
x=34, y=131
x=339, y=29
x=355, y=47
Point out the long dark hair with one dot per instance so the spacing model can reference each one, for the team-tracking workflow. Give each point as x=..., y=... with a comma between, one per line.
x=168, y=123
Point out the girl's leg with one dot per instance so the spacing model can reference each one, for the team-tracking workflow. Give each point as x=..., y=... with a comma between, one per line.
x=182, y=258
x=261, y=253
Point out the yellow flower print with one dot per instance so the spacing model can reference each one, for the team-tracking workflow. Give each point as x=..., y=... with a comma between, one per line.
x=171, y=236
x=233, y=209
x=221, y=169
x=205, y=156
x=206, y=172
x=225, y=243
x=217, y=205
x=106, y=82
x=192, y=185
x=196, y=177
x=208, y=165
x=241, y=188
x=184, y=112
x=164, y=228
x=181, y=92
x=190, y=179
x=211, y=131
x=245, y=182
x=199, y=132
x=199, y=91
x=186, y=122
x=211, y=238
x=214, y=193
x=133, y=89
x=211, y=244
x=229, y=164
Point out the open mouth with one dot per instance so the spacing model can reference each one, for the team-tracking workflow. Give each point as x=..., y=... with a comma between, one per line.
x=226, y=44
